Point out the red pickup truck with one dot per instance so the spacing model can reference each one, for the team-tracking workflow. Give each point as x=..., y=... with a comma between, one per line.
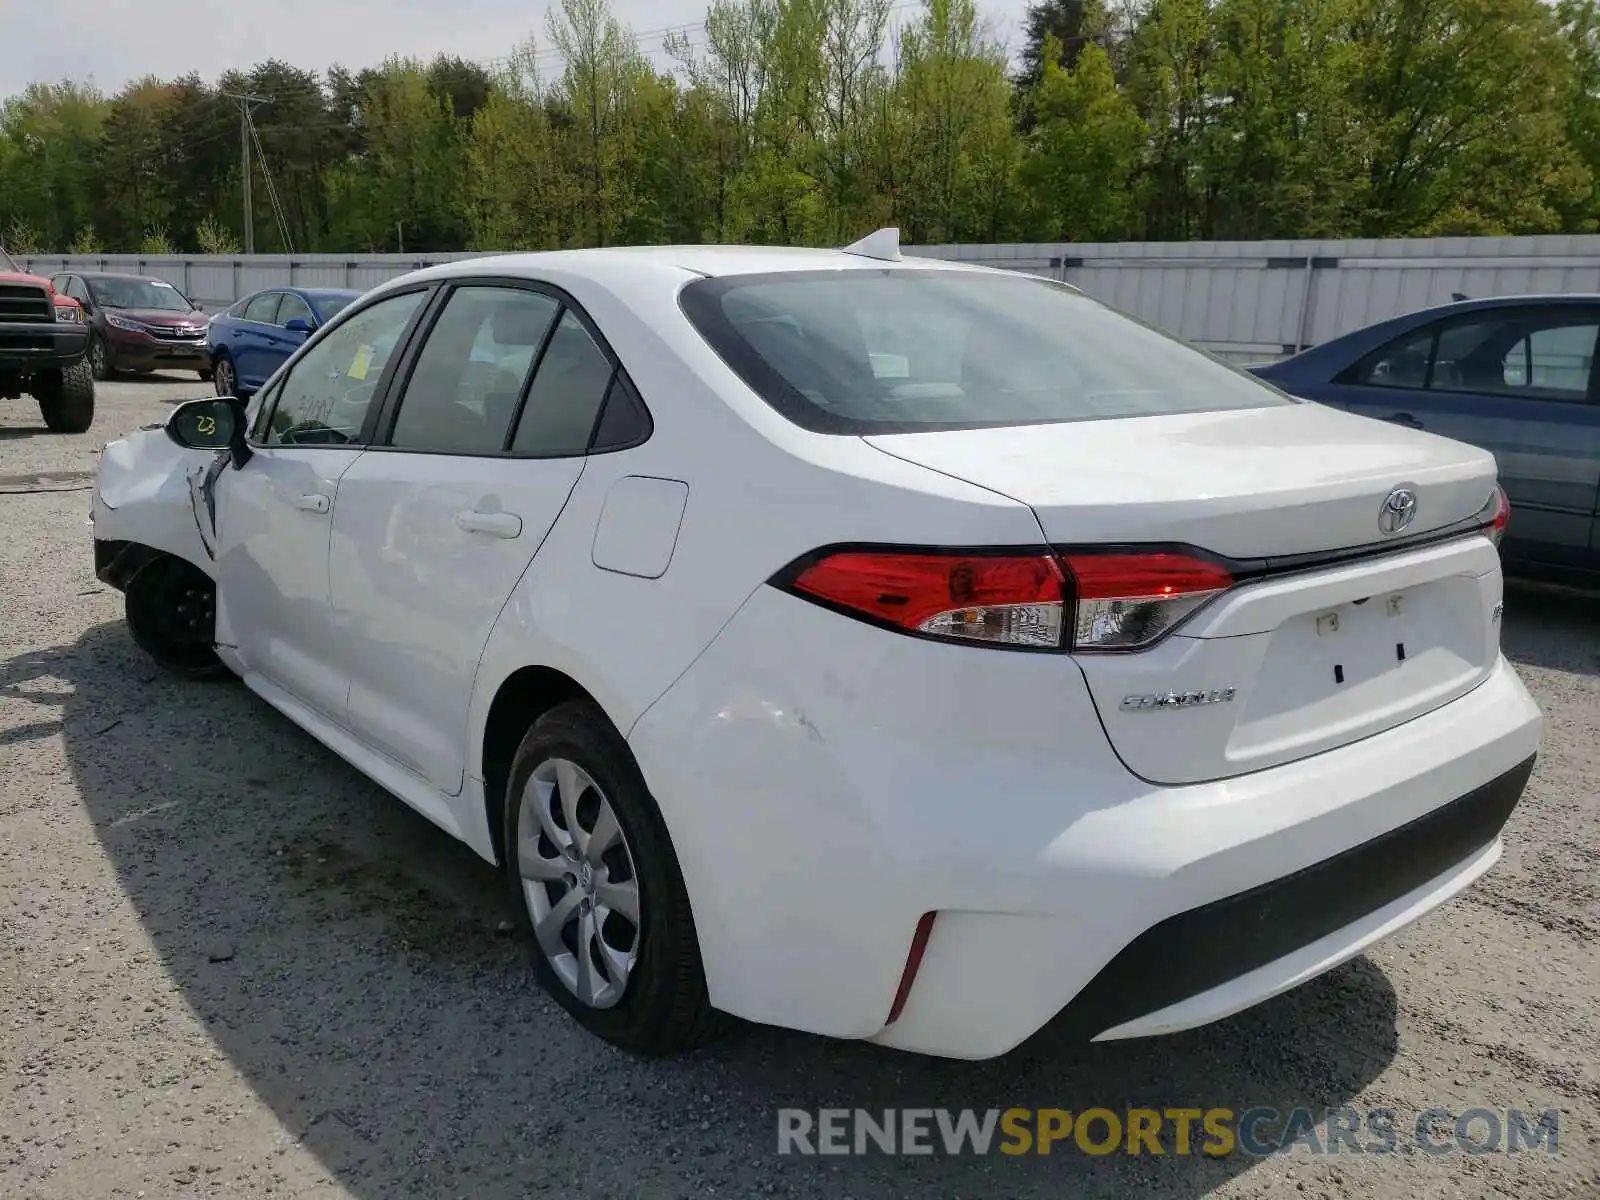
x=43, y=340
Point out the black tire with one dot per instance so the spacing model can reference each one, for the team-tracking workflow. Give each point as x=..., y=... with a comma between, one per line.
x=170, y=607
x=66, y=400
x=205, y=376
x=664, y=1007
x=223, y=379
x=99, y=358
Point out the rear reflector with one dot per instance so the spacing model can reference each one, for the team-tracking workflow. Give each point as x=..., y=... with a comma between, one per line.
x=1040, y=601
x=919, y=945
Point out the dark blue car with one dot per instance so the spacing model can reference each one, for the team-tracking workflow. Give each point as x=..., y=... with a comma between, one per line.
x=249, y=340
x=1515, y=375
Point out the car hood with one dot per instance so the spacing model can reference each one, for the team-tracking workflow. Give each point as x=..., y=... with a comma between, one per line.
x=24, y=277
x=164, y=318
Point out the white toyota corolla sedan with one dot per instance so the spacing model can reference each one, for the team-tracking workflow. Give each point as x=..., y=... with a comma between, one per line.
x=889, y=649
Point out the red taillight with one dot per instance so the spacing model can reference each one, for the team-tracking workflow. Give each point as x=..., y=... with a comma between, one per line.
x=1040, y=601
x=1496, y=515
x=1001, y=599
x=1126, y=601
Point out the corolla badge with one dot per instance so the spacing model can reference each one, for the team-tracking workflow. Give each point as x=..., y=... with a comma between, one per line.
x=1164, y=701
x=1398, y=511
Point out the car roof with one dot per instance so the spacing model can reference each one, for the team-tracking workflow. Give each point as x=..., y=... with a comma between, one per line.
x=707, y=261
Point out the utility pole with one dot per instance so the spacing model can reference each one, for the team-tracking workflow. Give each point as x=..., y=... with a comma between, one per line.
x=245, y=101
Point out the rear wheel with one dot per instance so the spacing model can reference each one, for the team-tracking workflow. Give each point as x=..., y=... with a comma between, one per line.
x=597, y=883
x=170, y=606
x=66, y=398
x=223, y=379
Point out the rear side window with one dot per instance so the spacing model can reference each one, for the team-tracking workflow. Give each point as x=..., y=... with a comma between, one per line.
x=568, y=389
x=898, y=351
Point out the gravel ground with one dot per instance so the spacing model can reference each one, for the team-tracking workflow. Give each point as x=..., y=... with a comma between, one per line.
x=230, y=965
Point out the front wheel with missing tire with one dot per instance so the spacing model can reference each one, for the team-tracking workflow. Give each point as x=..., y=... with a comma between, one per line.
x=598, y=887
x=170, y=607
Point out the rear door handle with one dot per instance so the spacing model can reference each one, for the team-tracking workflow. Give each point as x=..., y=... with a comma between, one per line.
x=1405, y=419
x=496, y=524
x=314, y=502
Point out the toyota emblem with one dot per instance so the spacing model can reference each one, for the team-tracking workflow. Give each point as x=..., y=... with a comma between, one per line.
x=1398, y=511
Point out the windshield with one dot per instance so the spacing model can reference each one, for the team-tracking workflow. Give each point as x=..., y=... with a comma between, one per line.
x=137, y=293
x=326, y=306
x=6, y=263
x=902, y=351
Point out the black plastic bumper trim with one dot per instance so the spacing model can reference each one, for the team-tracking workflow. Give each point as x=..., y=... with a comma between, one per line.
x=1196, y=950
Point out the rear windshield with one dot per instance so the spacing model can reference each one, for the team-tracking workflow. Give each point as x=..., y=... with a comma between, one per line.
x=902, y=351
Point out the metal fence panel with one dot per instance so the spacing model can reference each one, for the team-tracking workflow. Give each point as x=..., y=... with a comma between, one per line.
x=1245, y=301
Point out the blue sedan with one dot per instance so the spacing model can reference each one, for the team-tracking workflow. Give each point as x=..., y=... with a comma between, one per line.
x=250, y=340
x=1516, y=375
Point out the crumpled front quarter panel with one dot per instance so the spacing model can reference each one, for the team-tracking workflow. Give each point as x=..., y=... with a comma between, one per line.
x=155, y=493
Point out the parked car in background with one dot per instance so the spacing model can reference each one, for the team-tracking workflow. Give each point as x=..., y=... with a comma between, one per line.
x=689, y=583
x=42, y=344
x=1515, y=375
x=138, y=323
x=249, y=341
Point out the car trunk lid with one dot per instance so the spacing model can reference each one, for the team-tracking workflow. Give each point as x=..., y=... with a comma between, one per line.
x=1338, y=626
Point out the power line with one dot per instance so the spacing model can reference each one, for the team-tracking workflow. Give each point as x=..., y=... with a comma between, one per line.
x=272, y=191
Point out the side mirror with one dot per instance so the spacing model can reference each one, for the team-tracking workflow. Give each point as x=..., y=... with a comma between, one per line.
x=297, y=325
x=212, y=423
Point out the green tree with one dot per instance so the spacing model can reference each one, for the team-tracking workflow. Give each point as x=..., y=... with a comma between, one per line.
x=1466, y=107
x=1085, y=150
x=956, y=155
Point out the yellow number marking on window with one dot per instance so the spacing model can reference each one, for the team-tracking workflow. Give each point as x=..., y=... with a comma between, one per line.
x=206, y=425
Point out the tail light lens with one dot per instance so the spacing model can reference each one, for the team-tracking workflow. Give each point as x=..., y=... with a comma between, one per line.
x=1002, y=600
x=1043, y=601
x=1126, y=601
x=1496, y=515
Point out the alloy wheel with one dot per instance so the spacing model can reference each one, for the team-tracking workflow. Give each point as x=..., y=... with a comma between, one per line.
x=222, y=377
x=99, y=364
x=579, y=882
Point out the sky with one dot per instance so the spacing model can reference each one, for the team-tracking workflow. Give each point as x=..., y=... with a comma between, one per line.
x=113, y=41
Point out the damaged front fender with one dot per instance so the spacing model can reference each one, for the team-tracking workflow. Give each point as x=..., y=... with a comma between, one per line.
x=152, y=492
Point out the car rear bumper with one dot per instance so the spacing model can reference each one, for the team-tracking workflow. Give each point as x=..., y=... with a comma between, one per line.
x=827, y=784
x=30, y=345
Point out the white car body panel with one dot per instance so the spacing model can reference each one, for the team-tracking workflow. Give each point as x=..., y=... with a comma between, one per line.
x=274, y=525
x=826, y=782
x=931, y=778
x=424, y=557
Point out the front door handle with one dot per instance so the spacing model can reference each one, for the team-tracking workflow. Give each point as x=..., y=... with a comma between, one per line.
x=314, y=502
x=1405, y=419
x=496, y=524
